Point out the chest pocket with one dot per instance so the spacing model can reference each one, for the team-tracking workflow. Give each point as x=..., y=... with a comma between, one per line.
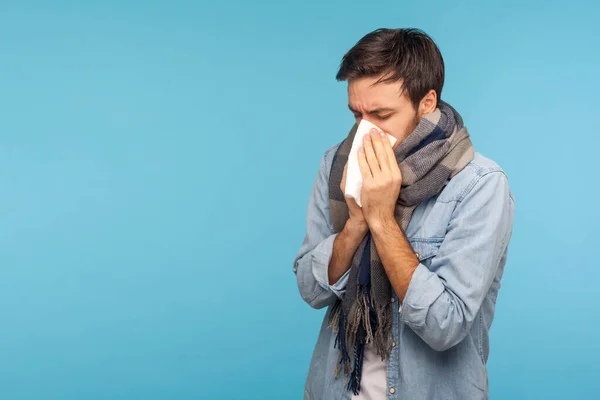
x=425, y=248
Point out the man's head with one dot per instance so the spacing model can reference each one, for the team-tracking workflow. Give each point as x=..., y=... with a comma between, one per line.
x=395, y=76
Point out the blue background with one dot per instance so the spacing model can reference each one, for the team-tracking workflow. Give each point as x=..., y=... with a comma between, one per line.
x=156, y=160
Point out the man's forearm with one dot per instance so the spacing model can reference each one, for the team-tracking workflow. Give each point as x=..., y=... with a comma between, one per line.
x=344, y=247
x=396, y=254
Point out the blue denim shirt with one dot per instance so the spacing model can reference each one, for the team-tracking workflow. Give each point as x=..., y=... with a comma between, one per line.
x=441, y=329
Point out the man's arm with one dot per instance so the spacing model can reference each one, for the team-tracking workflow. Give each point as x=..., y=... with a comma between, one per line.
x=322, y=263
x=344, y=247
x=396, y=254
x=440, y=306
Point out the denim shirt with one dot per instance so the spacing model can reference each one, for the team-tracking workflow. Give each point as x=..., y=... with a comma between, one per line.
x=441, y=328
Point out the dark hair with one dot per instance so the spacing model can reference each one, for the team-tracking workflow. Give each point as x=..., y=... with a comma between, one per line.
x=397, y=54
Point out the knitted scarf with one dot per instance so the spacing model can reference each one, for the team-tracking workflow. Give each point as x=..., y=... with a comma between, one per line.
x=434, y=152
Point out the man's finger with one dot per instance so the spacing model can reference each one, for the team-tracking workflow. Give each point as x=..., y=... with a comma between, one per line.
x=370, y=156
x=389, y=150
x=365, y=171
x=378, y=141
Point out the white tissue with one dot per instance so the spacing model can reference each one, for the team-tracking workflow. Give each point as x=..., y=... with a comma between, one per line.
x=353, y=175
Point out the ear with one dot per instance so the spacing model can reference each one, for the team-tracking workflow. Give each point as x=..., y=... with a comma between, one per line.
x=428, y=103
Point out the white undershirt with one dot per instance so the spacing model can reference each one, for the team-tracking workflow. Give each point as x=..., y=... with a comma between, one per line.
x=373, y=380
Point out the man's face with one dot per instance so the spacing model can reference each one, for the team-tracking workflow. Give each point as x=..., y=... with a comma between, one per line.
x=382, y=105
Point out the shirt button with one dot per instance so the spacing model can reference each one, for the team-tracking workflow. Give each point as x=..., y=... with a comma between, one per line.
x=392, y=390
x=417, y=254
x=393, y=343
x=393, y=299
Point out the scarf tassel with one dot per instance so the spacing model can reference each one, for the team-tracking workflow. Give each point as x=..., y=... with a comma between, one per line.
x=368, y=314
x=340, y=338
x=359, y=354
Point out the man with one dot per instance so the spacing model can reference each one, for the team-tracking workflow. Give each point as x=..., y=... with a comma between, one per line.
x=410, y=277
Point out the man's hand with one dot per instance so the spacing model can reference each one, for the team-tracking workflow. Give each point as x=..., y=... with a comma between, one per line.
x=381, y=178
x=380, y=190
x=357, y=218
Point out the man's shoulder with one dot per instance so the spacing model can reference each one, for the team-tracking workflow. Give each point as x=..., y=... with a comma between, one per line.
x=470, y=176
x=481, y=165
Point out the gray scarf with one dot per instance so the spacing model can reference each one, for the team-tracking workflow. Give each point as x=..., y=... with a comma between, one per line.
x=434, y=152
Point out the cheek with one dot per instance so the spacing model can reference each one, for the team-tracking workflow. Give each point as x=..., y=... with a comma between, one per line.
x=394, y=126
x=401, y=126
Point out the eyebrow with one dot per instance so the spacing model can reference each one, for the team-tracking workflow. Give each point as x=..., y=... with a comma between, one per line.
x=373, y=111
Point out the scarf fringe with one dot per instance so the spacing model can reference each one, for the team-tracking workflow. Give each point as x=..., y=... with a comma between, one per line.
x=370, y=316
x=353, y=322
x=334, y=316
x=383, y=343
x=359, y=353
x=337, y=321
x=354, y=332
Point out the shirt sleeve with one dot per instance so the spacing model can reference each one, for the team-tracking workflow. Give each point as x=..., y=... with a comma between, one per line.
x=311, y=263
x=440, y=306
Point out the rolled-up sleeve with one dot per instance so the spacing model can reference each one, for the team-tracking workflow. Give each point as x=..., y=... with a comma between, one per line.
x=311, y=263
x=440, y=306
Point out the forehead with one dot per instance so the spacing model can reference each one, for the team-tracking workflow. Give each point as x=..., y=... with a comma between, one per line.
x=365, y=93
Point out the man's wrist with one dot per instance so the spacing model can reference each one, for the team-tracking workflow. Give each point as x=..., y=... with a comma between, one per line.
x=382, y=225
x=357, y=229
